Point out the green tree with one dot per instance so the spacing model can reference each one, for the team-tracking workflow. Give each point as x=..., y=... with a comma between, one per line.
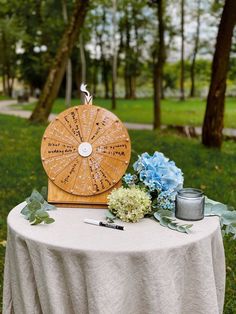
x=195, y=50
x=56, y=73
x=214, y=115
x=182, y=69
x=42, y=22
x=114, y=53
x=159, y=64
x=11, y=36
x=69, y=65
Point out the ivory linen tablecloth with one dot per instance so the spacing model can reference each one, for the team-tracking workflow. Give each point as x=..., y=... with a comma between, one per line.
x=72, y=267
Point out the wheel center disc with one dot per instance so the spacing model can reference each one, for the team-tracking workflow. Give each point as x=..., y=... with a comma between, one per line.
x=85, y=149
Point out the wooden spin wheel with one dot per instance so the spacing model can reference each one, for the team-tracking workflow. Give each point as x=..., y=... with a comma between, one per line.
x=85, y=151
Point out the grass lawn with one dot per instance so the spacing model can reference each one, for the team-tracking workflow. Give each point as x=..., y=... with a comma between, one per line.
x=211, y=170
x=3, y=97
x=174, y=112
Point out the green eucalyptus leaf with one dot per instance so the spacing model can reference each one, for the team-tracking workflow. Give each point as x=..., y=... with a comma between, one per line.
x=44, y=192
x=41, y=213
x=215, y=210
x=32, y=216
x=166, y=213
x=36, y=221
x=34, y=205
x=36, y=209
x=48, y=220
x=110, y=216
x=25, y=210
x=164, y=221
x=27, y=216
x=35, y=195
x=28, y=200
x=163, y=213
x=47, y=206
x=210, y=201
x=228, y=217
x=182, y=229
x=208, y=209
x=219, y=209
x=172, y=225
x=187, y=230
x=188, y=226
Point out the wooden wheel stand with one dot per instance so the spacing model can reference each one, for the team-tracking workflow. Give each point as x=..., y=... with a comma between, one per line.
x=85, y=152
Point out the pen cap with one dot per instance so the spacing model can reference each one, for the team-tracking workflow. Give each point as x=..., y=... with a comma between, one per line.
x=92, y=221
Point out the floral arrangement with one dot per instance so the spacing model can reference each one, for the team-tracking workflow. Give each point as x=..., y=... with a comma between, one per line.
x=150, y=192
x=159, y=176
x=129, y=204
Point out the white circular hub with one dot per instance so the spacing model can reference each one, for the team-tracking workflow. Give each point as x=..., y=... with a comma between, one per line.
x=85, y=149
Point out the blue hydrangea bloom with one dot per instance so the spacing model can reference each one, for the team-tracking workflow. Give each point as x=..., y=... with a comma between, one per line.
x=166, y=200
x=158, y=173
x=128, y=178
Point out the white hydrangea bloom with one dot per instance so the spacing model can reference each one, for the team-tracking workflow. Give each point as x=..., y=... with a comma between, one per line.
x=129, y=204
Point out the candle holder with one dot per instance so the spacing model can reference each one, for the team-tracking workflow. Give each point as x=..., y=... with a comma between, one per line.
x=189, y=204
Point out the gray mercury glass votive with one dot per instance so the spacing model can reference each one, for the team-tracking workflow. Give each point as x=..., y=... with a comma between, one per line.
x=189, y=204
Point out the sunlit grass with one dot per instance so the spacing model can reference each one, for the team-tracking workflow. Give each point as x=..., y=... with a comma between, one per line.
x=174, y=112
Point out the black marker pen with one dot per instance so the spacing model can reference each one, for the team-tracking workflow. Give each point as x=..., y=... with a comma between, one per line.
x=103, y=224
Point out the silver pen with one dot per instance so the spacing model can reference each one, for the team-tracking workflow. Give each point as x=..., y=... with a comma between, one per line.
x=103, y=224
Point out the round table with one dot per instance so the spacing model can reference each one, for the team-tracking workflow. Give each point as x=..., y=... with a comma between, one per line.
x=71, y=267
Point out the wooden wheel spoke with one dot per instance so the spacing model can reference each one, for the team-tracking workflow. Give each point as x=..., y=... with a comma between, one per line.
x=95, y=140
x=53, y=148
x=118, y=151
x=114, y=170
x=101, y=180
x=71, y=133
x=58, y=131
x=59, y=140
x=87, y=115
x=103, y=121
x=83, y=182
x=67, y=175
x=54, y=165
x=77, y=110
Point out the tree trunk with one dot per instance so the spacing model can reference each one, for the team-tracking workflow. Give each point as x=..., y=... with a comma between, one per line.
x=127, y=53
x=137, y=52
x=68, y=83
x=132, y=87
x=82, y=59
x=162, y=88
x=105, y=78
x=192, y=68
x=214, y=115
x=182, y=96
x=78, y=79
x=69, y=65
x=114, y=59
x=4, y=84
x=9, y=81
x=103, y=59
x=95, y=72
x=55, y=76
x=158, y=66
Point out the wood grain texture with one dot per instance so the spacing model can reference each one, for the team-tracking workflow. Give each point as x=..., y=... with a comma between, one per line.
x=63, y=199
x=73, y=176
